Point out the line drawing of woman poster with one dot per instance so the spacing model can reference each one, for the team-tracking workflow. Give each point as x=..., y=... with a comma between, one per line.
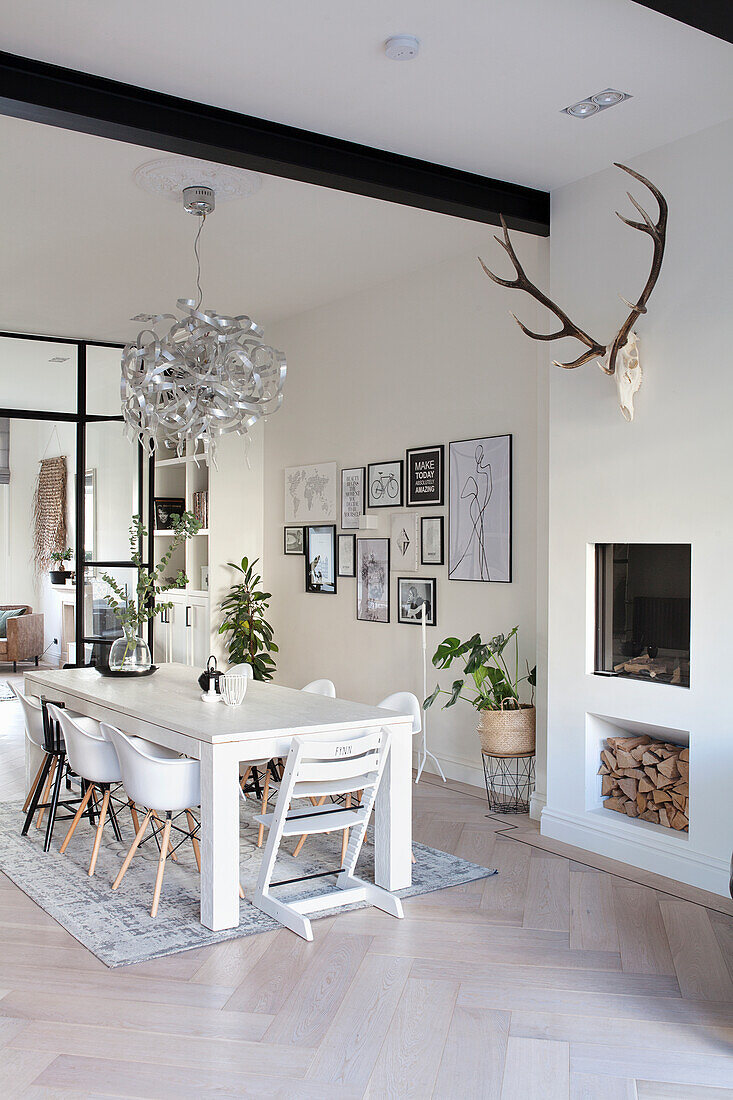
x=480, y=509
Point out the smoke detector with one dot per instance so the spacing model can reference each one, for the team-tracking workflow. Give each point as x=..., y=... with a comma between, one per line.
x=402, y=47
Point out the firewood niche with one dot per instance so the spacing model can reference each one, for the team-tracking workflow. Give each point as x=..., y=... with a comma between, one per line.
x=646, y=778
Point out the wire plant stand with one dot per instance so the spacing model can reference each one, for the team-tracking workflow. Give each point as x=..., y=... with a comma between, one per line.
x=509, y=782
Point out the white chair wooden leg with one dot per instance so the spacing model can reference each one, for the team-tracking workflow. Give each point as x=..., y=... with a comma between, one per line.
x=133, y=848
x=98, y=834
x=161, y=864
x=266, y=788
x=77, y=817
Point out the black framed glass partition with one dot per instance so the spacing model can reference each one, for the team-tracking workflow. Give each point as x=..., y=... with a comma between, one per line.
x=60, y=398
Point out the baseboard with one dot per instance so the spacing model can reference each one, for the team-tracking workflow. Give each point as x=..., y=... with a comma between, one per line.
x=537, y=804
x=645, y=849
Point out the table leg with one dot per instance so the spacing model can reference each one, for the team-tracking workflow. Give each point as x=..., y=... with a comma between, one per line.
x=393, y=815
x=219, y=837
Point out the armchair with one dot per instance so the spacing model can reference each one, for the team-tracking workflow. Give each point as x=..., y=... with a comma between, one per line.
x=25, y=640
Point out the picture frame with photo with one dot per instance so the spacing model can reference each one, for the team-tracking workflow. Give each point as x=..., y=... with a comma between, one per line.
x=432, y=540
x=353, y=497
x=167, y=510
x=293, y=540
x=320, y=558
x=480, y=509
x=372, y=580
x=424, y=476
x=385, y=484
x=412, y=594
x=403, y=533
x=347, y=555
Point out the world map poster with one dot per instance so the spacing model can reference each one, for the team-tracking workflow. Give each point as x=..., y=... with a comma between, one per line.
x=311, y=493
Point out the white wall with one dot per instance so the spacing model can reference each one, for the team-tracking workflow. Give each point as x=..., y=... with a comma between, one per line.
x=664, y=478
x=426, y=359
x=236, y=527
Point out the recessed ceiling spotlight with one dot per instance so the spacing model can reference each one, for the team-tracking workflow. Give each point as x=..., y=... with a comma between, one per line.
x=60, y=359
x=601, y=101
x=402, y=47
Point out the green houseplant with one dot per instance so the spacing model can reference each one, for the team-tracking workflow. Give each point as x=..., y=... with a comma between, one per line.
x=491, y=676
x=130, y=653
x=58, y=557
x=250, y=635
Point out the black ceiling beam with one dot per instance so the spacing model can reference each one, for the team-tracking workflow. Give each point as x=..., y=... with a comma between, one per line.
x=712, y=16
x=61, y=97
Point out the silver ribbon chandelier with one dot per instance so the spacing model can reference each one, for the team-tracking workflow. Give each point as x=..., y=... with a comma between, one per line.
x=207, y=374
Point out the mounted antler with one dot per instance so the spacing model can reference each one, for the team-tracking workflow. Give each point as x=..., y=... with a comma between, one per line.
x=624, y=344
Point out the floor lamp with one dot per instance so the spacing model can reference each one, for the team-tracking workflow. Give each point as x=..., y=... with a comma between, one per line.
x=424, y=752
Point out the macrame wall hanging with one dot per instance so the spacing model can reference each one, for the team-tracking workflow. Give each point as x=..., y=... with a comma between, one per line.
x=49, y=511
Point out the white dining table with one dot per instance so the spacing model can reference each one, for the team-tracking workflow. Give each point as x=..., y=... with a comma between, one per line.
x=167, y=708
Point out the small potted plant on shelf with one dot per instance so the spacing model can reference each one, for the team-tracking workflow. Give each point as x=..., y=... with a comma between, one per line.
x=58, y=557
x=250, y=634
x=506, y=725
x=130, y=653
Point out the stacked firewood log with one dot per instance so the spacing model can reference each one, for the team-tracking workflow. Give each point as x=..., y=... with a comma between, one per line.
x=647, y=779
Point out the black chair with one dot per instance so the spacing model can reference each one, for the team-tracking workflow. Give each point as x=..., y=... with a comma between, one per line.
x=55, y=754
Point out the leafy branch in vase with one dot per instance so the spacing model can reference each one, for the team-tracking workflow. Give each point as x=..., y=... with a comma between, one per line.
x=134, y=612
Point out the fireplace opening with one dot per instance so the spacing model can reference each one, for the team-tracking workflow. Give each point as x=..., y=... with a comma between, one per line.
x=643, y=611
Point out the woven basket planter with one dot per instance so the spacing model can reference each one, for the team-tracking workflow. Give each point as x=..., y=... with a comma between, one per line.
x=507, y=732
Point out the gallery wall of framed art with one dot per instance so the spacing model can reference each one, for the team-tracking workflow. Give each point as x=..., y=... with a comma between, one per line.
x=387, y=377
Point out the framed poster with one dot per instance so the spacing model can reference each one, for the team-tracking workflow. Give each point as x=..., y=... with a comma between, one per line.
x=353, y=497
x=347, y=555
x=480, y=509
x=403, y=535
x=384, y=480
x=372, y=580
x=425, y=476
x=310, y=493
x=168, y=510
x=320, y=558
x=414, y=593
x=293, y=540
x=432, y=545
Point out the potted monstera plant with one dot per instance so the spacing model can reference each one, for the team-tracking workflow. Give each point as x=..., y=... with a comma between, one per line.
x=58, y=574
x=491, y=683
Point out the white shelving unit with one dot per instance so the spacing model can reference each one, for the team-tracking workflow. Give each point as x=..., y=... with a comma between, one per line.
x=183, y=632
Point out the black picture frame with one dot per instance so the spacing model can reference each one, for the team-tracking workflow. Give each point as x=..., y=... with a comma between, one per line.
x=359, y=493
x=167, y=510
x=425, y=476
x=286, y=533
x=414, y=618
x=381, y=553
x=387, y=474
x=439, y=521
x=315, y=534
x=455, y=551
x=342, y=558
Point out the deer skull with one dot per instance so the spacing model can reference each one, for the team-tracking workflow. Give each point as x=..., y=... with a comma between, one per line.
x=621, y=356
x=628, y=375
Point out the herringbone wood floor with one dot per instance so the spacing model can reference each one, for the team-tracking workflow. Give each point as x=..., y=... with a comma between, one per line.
x=551, y=980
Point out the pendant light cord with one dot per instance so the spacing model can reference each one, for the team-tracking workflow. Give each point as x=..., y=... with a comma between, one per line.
x=197, y=254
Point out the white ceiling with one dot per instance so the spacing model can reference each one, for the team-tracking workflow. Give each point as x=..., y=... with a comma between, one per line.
x=484, y=94
x=84, y=248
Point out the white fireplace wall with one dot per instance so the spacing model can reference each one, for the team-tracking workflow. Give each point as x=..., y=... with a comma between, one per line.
x=663, y=478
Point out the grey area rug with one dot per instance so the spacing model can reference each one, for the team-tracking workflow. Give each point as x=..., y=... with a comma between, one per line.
x=117, y=927
x=6, y=692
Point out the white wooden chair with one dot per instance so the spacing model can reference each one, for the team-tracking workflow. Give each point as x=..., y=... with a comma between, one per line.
x=318, y=767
